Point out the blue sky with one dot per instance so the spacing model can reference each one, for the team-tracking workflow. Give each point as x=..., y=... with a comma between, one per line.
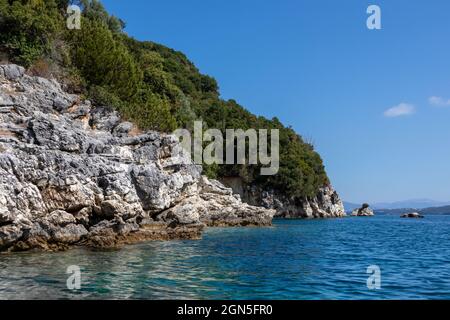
x=316, y=66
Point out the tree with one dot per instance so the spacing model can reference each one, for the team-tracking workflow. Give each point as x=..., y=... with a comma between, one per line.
x=103, y=61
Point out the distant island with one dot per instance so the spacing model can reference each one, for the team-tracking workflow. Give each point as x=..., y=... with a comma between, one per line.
x=445, y=210
x=422, y=206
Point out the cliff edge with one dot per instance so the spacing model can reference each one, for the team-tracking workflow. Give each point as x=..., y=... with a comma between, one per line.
x=72, y=173
x=325, y=204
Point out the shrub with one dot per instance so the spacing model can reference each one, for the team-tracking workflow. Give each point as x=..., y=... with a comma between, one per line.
x=27, y=28
x=40, y=68
x=152, y=112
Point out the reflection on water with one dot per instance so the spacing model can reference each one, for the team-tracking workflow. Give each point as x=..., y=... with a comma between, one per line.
x=318, y=259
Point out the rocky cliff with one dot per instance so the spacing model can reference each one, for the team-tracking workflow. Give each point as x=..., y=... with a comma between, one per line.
x=326, y=204
x=72, y=173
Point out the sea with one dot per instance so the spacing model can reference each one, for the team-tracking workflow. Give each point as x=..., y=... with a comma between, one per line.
x=354, y=258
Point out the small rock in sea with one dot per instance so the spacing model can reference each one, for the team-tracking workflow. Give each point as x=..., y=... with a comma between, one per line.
x=364, y=211
x=412, y=215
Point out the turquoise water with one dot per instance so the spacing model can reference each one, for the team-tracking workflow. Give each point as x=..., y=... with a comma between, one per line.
x=297, y=259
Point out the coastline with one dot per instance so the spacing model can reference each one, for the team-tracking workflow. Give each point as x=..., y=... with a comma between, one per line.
x=76, y=173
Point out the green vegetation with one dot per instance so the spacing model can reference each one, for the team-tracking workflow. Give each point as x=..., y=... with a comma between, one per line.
x=154, y=86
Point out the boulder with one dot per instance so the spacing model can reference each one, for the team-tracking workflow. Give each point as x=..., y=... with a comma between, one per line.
x=414, y=215
x=364, y=211
x=11, y=71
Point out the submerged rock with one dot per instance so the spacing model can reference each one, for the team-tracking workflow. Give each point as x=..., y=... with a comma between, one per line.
x=364, y=211
x=74, y=174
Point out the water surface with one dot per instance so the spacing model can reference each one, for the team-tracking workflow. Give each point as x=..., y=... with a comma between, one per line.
x=294, y=259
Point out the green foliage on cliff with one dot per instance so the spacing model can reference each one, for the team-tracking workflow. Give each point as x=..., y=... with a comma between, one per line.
x=27, y=28
x=150, y=84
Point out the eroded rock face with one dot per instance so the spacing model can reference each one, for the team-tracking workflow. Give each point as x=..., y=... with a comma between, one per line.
x=73, y=173
x=326, y=204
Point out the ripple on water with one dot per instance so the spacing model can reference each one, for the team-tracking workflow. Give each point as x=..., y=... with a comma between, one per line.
x=298, y=259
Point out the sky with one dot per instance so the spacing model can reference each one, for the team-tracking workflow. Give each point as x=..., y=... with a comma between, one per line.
x=375, y=103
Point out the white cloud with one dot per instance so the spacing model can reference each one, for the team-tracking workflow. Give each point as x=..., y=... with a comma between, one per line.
x=403, y=109
x=439, y=101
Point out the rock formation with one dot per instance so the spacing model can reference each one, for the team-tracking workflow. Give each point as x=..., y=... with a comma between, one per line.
x=326, y=204
x=75, y=174
x=364, y=211
x=414, y=215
